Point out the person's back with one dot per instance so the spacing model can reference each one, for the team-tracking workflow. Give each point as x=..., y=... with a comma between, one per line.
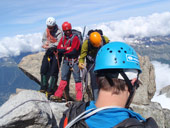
x=117, y=70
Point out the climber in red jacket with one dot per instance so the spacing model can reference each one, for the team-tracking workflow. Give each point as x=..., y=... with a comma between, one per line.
x=69, y=46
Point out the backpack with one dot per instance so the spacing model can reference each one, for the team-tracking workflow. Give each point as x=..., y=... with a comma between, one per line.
x=96, y=30
x=77, y=108
x=78, y=34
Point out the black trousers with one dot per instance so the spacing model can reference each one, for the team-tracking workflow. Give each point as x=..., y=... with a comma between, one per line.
x=50, y=68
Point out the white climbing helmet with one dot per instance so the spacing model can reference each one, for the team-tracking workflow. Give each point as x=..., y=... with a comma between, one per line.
x=51, y=21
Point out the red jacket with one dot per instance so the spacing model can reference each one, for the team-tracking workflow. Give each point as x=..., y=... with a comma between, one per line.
x=75, y=45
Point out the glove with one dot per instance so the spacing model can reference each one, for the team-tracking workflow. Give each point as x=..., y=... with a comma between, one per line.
x=81, y=65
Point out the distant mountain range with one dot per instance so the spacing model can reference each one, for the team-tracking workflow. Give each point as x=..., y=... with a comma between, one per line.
x=11, y=77
x=156, y=47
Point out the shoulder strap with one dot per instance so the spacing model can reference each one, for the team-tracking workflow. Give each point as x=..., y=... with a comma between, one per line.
x=70, y=39
x=74, y=109
x=86, y=114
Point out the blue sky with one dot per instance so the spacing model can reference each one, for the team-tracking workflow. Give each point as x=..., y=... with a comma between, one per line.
x=24, y=17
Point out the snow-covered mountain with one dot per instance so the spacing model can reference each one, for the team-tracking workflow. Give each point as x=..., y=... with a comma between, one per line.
x=152, y=40
x=156, y=47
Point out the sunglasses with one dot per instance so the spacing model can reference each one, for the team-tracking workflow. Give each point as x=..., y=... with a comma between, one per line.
x=67, y=31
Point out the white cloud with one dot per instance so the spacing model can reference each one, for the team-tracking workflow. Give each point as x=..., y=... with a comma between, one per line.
x=13, y=46
x=155, y=24
x=162, y=72
x=163, y=100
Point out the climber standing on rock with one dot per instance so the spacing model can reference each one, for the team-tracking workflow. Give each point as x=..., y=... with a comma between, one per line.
x=51, y=60
x=69, y=46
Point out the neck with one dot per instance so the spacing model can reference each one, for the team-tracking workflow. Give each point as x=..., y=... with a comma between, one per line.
x=106, y=98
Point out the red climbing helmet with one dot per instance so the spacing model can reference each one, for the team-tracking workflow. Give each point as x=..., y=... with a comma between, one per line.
x=66, y=26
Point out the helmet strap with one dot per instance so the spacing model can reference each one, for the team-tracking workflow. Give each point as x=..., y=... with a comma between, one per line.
x=131, y=88
x=109, y=79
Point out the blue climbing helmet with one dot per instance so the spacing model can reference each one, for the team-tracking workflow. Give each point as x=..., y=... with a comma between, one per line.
x=117, y=59
x=117, y=55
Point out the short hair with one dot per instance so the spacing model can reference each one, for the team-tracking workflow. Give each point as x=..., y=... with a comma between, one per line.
x=114, y=84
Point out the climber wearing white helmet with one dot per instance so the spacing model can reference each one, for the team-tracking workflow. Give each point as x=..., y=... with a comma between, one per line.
x=51, y=21
x=51, y=61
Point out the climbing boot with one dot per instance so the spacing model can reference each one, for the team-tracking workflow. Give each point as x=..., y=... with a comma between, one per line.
x=44, y=83
x=48, y=94
x=56, y=98
x=52, y=85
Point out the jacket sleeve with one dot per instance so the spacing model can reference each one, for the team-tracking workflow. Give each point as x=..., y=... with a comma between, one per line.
x=84, y=50
x=60, y=43
x=106, y=39
x=44, y=38
x=59, y=48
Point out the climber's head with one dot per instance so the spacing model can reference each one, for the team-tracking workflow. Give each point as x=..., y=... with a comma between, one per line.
x=95, y=39
x=118, y=64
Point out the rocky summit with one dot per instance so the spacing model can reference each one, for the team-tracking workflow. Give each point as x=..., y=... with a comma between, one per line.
x=31, y=109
